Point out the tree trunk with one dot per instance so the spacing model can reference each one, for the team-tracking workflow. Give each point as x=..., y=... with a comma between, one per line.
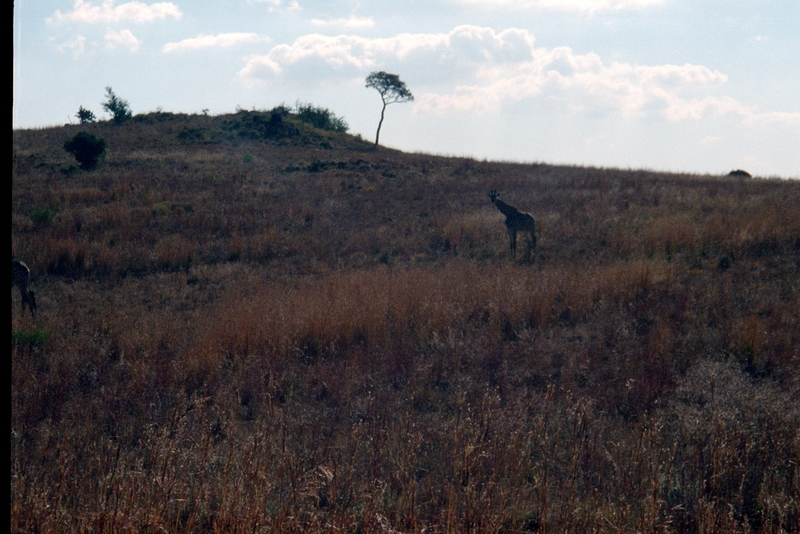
x=377, y=135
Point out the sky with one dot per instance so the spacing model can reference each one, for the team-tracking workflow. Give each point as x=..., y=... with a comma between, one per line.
x=700, y=86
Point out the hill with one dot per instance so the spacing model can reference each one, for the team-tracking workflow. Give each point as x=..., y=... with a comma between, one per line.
x=248, y=323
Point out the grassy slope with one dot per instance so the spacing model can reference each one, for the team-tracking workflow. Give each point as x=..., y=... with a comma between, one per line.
x=299, y=333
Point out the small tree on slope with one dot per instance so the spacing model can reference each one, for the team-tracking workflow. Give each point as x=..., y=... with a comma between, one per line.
x=391, y=89
x=120, y=109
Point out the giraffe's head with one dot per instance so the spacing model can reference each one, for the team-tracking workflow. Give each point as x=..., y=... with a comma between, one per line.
x=493, y=196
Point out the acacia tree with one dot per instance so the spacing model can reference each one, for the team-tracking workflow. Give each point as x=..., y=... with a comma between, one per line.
x=120, y=109
x=391, y=89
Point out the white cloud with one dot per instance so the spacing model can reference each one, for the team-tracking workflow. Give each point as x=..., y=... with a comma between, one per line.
x=588, y=6
x=107, y=12
x=352, y=22
x=752, y=117
x=678, y=109
x=278, y=5
x=473, y=69
x=77, y=46
x=688, y=74
x=465, y=47
x=122, y=38
x=222, y=40
x=319, y=52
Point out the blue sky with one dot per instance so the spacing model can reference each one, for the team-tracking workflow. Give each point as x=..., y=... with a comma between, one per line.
x=701, y=86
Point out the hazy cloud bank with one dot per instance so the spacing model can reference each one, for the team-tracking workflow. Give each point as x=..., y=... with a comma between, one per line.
x=588, y=6
x=107, y=12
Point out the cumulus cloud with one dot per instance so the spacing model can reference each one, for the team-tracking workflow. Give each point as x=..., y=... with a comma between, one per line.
x=107, y=12
x=77, y=46
x=474, y=69
x=318, y=53
x=121, y=39
x=587, y=6
x=352, y=22
x=464, y=48
x=279, y=5
x=221, y=40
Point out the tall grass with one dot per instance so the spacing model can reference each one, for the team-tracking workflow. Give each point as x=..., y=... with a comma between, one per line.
x=322, y=338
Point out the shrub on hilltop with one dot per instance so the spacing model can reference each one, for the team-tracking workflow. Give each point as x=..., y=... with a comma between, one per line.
x=84, y=115
x=259, y=125
x=321, y=118
x=120, y=109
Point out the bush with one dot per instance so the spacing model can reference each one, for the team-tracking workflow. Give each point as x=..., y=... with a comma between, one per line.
x=86, y=148
x=119, y=108
x=321, y=118
x=43, y=216
x=260, y=125
x=85, y=115
x=283, y=110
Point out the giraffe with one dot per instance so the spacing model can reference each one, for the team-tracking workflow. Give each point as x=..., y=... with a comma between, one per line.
x=21, y=277
x=516, y=221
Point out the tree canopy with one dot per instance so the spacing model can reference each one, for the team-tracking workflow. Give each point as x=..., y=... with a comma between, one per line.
x=120, y=109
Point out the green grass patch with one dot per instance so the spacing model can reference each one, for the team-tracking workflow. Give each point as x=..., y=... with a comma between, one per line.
x=43, y=215
x=29, y=338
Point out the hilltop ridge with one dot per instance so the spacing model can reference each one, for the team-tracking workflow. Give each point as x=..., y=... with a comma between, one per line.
x=294, y=182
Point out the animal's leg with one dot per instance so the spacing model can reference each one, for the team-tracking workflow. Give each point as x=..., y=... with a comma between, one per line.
x=529, y=251
x=30, y=300
x=512, y=234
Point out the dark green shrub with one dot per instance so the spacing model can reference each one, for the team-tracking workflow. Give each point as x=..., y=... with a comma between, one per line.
x=191, y=134
x=283, y=110
x=87, y=149
x=43, y=216
x=260, y=125
x=321, y=118
x=156, y=117
x=85, y=115
x=317, y=166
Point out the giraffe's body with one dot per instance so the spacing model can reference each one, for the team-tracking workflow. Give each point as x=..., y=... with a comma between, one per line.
x=516, y=222
x=21, y=278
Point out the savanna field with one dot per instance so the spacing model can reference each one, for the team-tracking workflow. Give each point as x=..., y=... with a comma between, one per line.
x=252, y=325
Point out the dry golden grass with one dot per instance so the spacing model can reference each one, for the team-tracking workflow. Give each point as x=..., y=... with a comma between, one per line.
x=280, y=336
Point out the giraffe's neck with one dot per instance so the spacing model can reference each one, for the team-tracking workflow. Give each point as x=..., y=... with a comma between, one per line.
x=505, y=209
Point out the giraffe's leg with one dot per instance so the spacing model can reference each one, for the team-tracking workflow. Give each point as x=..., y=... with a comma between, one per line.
x=30, y=300
x=528, y=249
x=531, y=251
x=512, y=234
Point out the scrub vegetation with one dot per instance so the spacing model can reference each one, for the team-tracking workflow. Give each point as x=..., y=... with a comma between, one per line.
x=246, y=323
